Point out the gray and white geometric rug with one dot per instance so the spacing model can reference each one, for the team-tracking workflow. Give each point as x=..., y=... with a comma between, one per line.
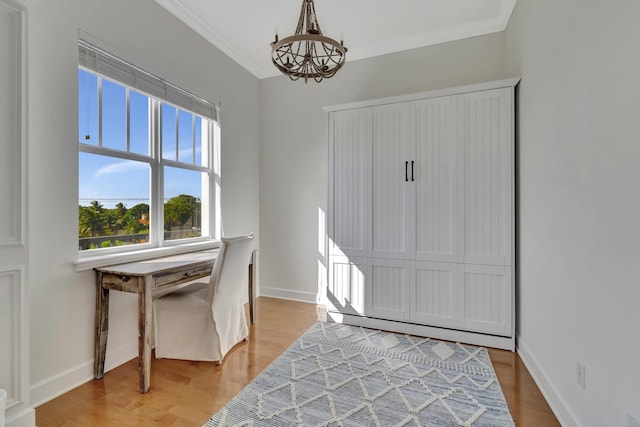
x=338, y=375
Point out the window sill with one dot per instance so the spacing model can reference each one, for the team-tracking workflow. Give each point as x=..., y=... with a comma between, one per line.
x=88, y=263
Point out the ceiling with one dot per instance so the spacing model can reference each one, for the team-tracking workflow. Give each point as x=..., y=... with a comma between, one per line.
x=244, y=29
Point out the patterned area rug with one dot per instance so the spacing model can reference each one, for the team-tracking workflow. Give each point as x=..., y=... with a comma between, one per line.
x=338, y=375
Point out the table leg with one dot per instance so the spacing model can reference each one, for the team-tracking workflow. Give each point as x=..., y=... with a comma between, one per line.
x=145, y=311
x=251, y=288
x=102, y=327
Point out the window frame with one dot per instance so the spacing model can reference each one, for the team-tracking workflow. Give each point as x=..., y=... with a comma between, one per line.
x=209, y=166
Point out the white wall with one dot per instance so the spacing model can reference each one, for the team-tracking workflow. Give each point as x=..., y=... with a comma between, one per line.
x=62, y=301
x=579, y=206
x=293, y=160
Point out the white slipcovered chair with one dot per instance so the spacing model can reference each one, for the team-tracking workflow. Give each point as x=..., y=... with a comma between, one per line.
x=203, y=321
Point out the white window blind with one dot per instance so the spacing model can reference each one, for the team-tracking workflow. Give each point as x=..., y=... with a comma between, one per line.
x=100, y=61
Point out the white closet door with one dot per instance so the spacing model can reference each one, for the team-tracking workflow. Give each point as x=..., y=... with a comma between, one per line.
x=421, y=212
x=388, y=293
x=392, y=191
x=486, y=171
x=436, y=180
x=350, y=186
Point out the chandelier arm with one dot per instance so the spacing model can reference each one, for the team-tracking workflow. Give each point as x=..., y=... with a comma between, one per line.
x=280, y=53
x=328, y=56
x=332, y=60
x=335, y=54
x=311, y=51
x=297, y=53
x=329, y=50
x=304, y=71
x=324, y=60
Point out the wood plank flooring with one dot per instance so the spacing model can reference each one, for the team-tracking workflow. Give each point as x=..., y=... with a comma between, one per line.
x=186, y=394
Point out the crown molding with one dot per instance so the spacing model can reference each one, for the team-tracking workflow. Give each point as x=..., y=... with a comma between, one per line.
x=495, y=24
x=17, y=5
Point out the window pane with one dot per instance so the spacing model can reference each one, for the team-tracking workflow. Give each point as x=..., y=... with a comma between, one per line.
x=114, y=116
x=200, y=143
x=182, y=203
x=168, y=132
x=114, y=197
x=185, y=137
x=87, y=108
x=139, y=123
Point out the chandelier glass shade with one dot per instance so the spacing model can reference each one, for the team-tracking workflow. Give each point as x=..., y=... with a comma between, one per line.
x=308, y=54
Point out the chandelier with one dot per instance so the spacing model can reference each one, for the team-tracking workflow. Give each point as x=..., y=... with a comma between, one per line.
x=307, y=53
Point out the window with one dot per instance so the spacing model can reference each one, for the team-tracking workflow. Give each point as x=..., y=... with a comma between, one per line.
x=148, y=159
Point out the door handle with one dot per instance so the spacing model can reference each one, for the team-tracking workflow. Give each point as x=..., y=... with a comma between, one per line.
x=406, y=171
x=412, y=171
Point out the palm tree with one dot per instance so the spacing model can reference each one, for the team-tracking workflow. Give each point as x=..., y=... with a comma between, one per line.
x=118, y=221
x=95, y=204
x=91, y=220
x=120, y=209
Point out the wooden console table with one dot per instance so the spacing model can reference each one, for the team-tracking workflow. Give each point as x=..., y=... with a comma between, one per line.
x=149, y=278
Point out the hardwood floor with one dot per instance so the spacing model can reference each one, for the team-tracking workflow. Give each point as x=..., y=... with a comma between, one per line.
x=187, y=393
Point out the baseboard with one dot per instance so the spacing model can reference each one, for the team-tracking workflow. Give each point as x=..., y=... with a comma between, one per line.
x=288, y=294
x=59, y=384
x=505, y=343
x=565, y=416
x=20, y=417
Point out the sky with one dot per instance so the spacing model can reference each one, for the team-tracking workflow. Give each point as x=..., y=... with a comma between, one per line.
x=110, y=179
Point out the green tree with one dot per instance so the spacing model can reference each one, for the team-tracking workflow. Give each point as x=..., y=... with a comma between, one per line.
x=116, y=218
x=136, y=219
x=120, y=209
x=111, y=223
x=178, y=210
x=91, y=220
x=84, y=229
x=97, y=205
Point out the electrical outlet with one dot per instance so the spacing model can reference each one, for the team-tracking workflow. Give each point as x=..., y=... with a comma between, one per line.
x=581, y=372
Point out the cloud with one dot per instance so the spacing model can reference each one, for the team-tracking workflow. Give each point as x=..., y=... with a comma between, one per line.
x=123, y=166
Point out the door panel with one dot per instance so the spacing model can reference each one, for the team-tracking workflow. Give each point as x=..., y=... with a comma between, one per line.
x=436, y=293
x=392, y=142
x=436, y=181
x=486, y=185
x=388, y=290
x=350, y=187
x=346, y=292
x=487, y=298
x=10, y=143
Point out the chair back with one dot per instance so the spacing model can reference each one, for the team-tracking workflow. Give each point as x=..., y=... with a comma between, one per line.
x=229, y=278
